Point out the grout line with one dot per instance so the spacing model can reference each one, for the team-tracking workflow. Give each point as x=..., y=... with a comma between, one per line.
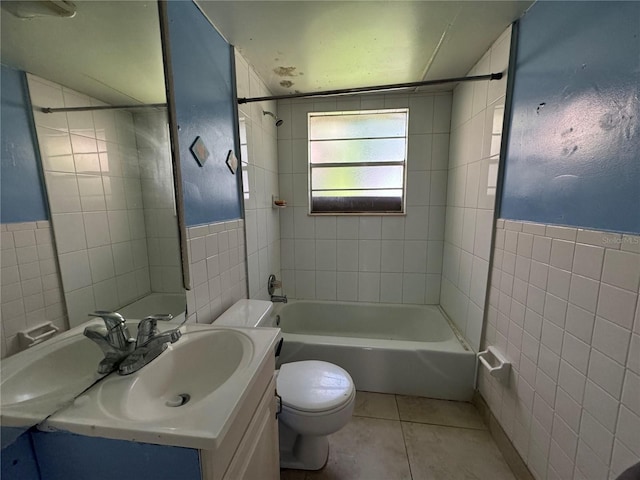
x=404, y=438
x=445, y=425
x=395, y=399
x=375, y=418
x=399, y=419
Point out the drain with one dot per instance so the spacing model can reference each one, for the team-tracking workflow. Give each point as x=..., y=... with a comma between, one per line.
x=179, y=400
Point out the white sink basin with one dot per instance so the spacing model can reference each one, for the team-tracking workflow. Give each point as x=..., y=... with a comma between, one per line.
x=181, y=377
x=39, y=381
x=188, y=396
x=43, y=379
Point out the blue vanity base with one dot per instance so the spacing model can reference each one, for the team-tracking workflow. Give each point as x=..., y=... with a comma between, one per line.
x=65, y=456
x=17, y=458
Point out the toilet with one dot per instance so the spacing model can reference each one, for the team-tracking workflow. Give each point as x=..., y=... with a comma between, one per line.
x=316, y=398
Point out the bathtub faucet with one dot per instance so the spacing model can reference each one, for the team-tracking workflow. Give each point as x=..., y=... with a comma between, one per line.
x=279, y=298
x=272, y=284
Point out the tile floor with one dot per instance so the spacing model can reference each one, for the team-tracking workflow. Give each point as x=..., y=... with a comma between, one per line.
x=395, y=437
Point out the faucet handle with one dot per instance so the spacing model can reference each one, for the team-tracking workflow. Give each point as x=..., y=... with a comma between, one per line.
x=273, y=283
x=111, y=319
x=148, y=326
x=117, y=332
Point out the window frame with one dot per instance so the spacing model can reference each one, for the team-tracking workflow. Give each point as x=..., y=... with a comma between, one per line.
x=358, y=164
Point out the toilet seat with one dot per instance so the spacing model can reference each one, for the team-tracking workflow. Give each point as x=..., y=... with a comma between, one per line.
x=324, y=413
x=313, y=387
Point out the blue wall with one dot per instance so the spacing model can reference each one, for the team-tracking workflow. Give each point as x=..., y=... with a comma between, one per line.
x=573, y=154
x=205, y=107
x=22, y=197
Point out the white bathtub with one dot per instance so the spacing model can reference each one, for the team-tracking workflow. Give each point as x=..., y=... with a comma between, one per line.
x=403, y=349
x=173, y=303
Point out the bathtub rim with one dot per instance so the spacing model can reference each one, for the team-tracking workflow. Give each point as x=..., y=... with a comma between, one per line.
x=378, y=343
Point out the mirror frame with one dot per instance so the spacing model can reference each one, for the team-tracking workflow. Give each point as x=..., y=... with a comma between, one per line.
x=173, y=137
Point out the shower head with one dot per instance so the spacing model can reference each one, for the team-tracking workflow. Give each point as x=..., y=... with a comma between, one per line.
x=279, y=121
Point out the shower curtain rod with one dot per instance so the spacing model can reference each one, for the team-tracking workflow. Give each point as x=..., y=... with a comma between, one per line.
x=347, y=91
x=102, y=107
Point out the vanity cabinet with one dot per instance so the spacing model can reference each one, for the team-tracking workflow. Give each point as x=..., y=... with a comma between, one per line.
x=17, y=458
x=67, y=456
x=258, y=456
x=249, y=449
x=229, y=434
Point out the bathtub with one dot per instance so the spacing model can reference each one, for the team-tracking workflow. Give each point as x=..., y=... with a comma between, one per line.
x=402, y=349
x=173, y=303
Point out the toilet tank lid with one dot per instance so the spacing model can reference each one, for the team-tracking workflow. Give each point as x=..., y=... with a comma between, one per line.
x=314, y=386
x=245, y=313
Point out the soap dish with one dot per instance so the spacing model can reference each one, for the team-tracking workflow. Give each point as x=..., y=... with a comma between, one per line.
x=278, y=203
x=495, y=363
x=37, y=334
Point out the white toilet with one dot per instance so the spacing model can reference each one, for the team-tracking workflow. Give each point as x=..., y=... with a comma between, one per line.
x=317, y=398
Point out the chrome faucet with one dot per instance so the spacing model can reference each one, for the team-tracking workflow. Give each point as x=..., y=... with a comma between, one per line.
x=272, y=284
x=121, y=351
x=114, y=339
x=149, y=343
x=148, y=327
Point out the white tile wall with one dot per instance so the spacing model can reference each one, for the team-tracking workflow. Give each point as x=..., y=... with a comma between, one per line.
x=100, y=169
x=260, y=164
x=476, y=129
x=583, y=343
x=390, y=259
x=217, y=268
x=159, y=222
x=31, y=290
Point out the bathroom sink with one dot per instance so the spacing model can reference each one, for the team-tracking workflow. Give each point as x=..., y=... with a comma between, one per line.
x=179, y=379
x=40, y=380
x=188, y=396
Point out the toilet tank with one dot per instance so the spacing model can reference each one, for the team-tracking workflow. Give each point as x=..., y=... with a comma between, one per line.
x=247, y=313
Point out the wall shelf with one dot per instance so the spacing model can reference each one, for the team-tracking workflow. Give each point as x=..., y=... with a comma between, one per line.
x=277, y=202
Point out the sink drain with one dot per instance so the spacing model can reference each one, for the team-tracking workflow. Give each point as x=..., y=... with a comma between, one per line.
x=179, y=400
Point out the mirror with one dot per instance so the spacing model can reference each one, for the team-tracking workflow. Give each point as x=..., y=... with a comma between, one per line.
x=108, y=172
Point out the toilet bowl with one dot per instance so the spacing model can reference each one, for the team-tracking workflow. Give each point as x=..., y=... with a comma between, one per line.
x=316, y=398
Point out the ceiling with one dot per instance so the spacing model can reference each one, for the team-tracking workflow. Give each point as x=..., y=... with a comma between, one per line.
x=307, y=46
x=110, y=50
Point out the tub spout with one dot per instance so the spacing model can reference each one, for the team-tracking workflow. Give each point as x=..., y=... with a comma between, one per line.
x=279, y=298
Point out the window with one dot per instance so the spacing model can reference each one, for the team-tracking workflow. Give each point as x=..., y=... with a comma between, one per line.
x=244, y=158
x=357, y=161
